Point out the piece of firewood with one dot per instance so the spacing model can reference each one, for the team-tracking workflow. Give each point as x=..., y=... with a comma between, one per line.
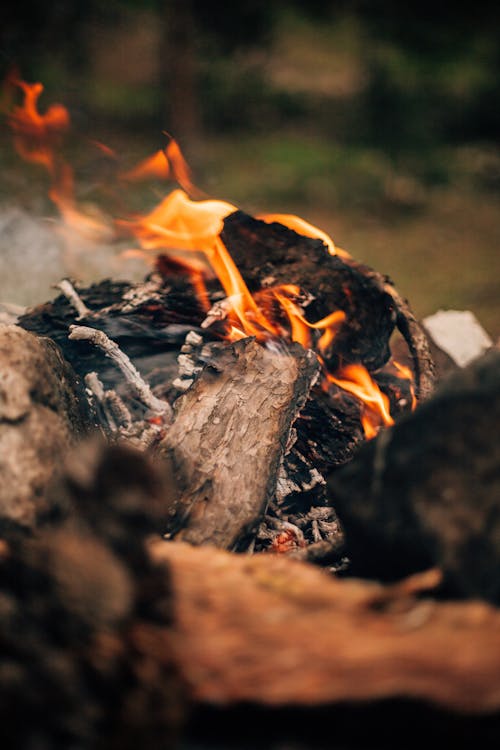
x=42, y=412
x=427, y=491
x=229, y=434
x=273, y=631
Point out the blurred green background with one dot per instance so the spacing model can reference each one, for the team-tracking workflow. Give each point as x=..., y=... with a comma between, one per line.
x=378, y=121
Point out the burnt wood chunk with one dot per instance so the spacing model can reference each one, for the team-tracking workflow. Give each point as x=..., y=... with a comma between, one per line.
x=229, y=434
x=427, y=492
x=270, y=254
x=42, y=412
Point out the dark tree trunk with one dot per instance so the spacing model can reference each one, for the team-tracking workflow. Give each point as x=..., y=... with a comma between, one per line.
x=178, y=70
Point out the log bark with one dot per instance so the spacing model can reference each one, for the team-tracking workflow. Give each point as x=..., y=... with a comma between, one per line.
x=42, y=413
x=229, y=434
x=275, y=632
x=427, y=491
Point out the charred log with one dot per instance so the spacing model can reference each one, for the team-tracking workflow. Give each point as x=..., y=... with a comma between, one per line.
x=270, y=254
x=427, y=491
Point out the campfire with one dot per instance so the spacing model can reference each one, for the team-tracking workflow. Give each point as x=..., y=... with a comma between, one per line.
x=253, y=422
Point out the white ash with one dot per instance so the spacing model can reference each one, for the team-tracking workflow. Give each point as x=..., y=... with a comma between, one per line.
x=218, y=311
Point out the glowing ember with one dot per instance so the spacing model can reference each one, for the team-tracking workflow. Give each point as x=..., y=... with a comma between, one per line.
x=189, y=232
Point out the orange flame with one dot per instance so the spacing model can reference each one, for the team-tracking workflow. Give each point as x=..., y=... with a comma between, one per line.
x=406, y=374
x=189, y=232
x=153, y=167
x=164, y=164
x=300, y=326
x=36, y=135
x=357, y=380
x=37, y=139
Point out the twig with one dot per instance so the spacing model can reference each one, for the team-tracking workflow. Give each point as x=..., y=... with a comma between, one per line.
x=72, y=296
x=114, y=411
x=133, y=377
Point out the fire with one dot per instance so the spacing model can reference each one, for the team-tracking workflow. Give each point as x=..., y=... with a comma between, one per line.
x=164, y=164
x=406, y=374
x=36, y=136
x=154, y=166
x=37, y=139
x=187, y=229
x=357, y=380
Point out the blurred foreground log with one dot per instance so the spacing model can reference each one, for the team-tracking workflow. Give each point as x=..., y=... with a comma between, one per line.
x=41, y=414
x=273, y=631
x=85, y=614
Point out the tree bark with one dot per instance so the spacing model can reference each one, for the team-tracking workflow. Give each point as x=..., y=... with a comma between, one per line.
x=229, y=434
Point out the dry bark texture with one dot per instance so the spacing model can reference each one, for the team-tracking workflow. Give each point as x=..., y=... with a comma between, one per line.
x=41, y=414
x=229, y=434
x=272, y=631
x=427, y=491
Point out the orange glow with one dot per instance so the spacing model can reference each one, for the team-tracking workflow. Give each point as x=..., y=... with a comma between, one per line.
x=357, y=380
x=103, y=148
x=301, y=226
x=179, y=223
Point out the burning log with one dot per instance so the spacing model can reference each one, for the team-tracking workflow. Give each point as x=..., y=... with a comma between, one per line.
x=427, y=491
x=229, y=435
x=42, y=412
x=270, y=254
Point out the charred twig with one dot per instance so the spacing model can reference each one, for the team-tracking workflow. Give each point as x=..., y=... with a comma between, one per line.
x=114, y=410
x=69, y=291
x=132, y=375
